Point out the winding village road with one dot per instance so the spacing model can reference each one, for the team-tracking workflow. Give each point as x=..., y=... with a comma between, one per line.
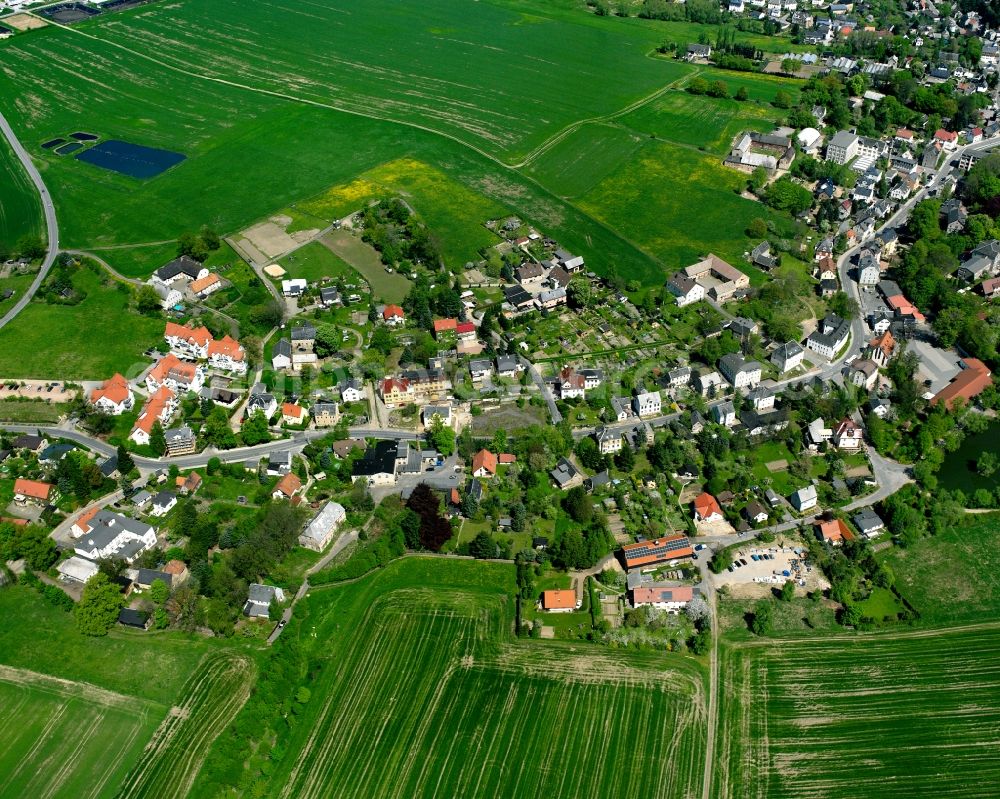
x=49, y=211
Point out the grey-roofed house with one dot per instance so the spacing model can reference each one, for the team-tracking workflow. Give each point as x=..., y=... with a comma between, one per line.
x=108, y=467
x=112, y=535
x=146, y=577
x=259, y=598
x=508, y=366
x=281, y=354
x=162, y=503
x=136, y=619
x=621, y=407
x=480, y=369
x=329, y=296
x=279, y=463
x=141, y=499
x=868, y=522
x=565, y=474
x=320, y=531
x=804, y=499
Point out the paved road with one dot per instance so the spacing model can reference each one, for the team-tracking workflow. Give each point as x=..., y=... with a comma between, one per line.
x=51, y=224
x=295, y=443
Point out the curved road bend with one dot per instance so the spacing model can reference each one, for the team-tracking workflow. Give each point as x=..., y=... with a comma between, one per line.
x=50, y=220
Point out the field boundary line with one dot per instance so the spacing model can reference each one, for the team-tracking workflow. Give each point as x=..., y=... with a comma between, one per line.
x=70, y=689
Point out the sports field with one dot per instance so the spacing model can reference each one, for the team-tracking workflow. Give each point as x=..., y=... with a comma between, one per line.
x=420, y=690
x=891, y=716
x=20, y=213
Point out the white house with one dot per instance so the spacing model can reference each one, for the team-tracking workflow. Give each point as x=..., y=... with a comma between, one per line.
x=351, y=390
x=111, y=535
x=608, y=441
x=830, y=336
x=724, y=413
x=804, y=499
x=114, y=396
x=741, y=373
x=162, y=504
x=788, y=356
x=685, y=289
x=848, y=434
x=320, y=531
x=293, y=287
x=647, y=404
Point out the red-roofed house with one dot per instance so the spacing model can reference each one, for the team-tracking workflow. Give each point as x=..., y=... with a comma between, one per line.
x=393, y=315
x=159, y=407
x=671, y=598
x=114, y=396
x=187, y=341
x=292, y=413
x=560, y=600
x=176, y=374
x=834, y=532
x=227, y=354
x=82, y=524
x=287, y=487
x=881, y=347
x=991, y=288
x=848, y=435
x=484, y=464
x=905, y=308
x=444, y=326
x=946, y=138
x=970, y=382
x=706, y=508
x=466, y=331
x=206, y=285
x=33, y=491
x=505, y=458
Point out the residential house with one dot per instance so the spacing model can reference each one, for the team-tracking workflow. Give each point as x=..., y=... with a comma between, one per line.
x=205, y=286
x=320, y=531
x=723, y=280
x=180, y=441
x=571, y=263
x=830, y=336
x=848, y=434
x=279, y=463
x=762, y=398
x=552, y=298
x=667, y=549
x=990, y=288
x=565, y=474
x=294, y=287
x=804, y=499
x=824, y=250
x=788, y=356
x=740, y=373
x=480, y=369
x=724, y=413
x=228, y=355
x=818, y=432
x=261, y=401
x=175, y=374
x=530, y=275
x=183, y=268
x=570, y=383
x=109, y=535
x=33, y=492
x=706, y=508
x=880, y=348
x=446, y=327
x=114, y=396
x=695, y=50
x=685, y=289
x=186, y=341
x=559, y=600
x=162, y=504
x=189, y=483
x=508, y=366
x=983, y=260
x=259, y=599
x=31, y=443
x=608, y=441
x=708, y=382
x=647, y=404
x=880, y=406
x=669, y=598
x=145, y=578
x=843, y=147
x=953, y=215
x=833, y=531
x=329, y=296
x=868, y=522
x=414, y=385
x=755, y=513
x=287, y=487
x=946, y=138
x=621, y=408
x=293, y=414
x=351, y=390
x=281, y=354
x=158, y=408
x=325, y=414
x=863, y=373
x=484, y=464
x=169, y=296
x=393, y=315
x=377, y=466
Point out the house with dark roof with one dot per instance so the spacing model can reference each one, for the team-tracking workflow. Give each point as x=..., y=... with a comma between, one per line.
x=377, y=466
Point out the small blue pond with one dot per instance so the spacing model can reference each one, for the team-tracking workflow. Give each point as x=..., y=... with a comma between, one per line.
x=129, y=159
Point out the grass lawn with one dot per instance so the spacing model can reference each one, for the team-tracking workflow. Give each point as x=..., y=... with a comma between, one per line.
x=454, y=213
x=315, y=262
x=794, y=712
x=16, y=283
x=474, y=695
x=20, y=211
x=89, y=341
x=952, y=577
x=678, y=205
x=31, y=411
x=365, y=259
x=882, y=605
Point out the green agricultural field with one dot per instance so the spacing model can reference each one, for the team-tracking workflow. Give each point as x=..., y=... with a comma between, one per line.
x=20, y=212
x=419, y=689
x=91, y=340
x=952, y=577
x=422, y=64
x=586, y=156
x=68, y=739
x=211, y=698
x=678, y=204
x=885, y=715
x=704, y=122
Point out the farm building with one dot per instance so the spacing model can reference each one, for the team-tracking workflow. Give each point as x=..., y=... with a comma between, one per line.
x=660, y=550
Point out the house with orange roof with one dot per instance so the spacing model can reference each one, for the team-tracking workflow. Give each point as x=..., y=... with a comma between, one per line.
x=228, y=355
x=706, y=508
x=660, y=550
x=834, y=532
x=288, y=487
x=82, y=524
x=188, y=484
x=158, y=408
x=293, y=413
x=33, y=492
x=186, y=341
x=175, y=374
x=559, y=600
x=393, y=315
x=669, y=598
x=484, y=464
x=881, y=347
x=206, y=285
x=848, y=434
x=114, y=396
x=974, y=378
x=444, y=326
x=946, y=138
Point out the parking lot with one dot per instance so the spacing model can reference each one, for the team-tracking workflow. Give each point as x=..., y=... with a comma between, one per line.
x=773, y=566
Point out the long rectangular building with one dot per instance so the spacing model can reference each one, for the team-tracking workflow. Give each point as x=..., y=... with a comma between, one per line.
x=660, y=550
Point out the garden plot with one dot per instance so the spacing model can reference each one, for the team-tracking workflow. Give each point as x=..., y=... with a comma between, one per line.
x=270, y=240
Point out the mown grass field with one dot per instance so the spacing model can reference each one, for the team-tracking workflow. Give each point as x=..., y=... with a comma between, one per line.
x=314, y=262
x=20, y=212
x=68, y=739
x=349, y=248
x=891, y=716
x=952, y=577
x=91, y=340
x=420, y=690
